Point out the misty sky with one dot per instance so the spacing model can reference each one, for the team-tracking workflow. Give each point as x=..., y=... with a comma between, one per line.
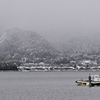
x=54, y=19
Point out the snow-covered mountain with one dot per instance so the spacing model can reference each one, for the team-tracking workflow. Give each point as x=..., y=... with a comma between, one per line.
x=16, y=44
x=80, y=46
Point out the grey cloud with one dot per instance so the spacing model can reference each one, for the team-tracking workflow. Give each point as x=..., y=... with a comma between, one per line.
x=53, y=19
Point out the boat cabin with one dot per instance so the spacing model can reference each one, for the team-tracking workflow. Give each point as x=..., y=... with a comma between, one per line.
x=95, y=78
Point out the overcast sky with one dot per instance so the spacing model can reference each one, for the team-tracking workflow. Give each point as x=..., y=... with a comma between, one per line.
x=52, y=18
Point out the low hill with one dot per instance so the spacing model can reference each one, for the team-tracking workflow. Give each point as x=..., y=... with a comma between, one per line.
x=81, y=47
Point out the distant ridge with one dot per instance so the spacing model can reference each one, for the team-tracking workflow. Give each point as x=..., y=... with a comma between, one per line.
x=78, y=47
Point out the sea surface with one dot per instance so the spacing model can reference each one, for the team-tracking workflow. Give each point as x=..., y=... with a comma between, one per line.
x=46, y=86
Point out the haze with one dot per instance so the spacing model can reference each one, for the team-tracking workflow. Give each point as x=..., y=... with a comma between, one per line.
x=56, y=20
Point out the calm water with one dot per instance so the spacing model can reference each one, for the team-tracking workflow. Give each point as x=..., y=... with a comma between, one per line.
x=46, y=86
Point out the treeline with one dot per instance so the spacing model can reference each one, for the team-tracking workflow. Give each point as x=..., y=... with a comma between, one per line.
x=8, y=66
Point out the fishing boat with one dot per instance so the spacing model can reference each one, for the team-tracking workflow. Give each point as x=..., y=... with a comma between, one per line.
x=93, y=80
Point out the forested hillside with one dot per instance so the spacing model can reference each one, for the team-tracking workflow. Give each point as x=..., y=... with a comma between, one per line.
x=16, y=44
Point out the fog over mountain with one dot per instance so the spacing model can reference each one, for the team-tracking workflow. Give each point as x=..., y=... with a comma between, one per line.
x=56, y=20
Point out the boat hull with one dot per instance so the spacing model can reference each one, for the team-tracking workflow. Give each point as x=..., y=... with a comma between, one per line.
x=82, y=83
x=86, y=82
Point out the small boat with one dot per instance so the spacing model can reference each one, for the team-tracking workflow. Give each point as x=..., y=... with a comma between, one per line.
x=93, y=80
x=82, y=82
